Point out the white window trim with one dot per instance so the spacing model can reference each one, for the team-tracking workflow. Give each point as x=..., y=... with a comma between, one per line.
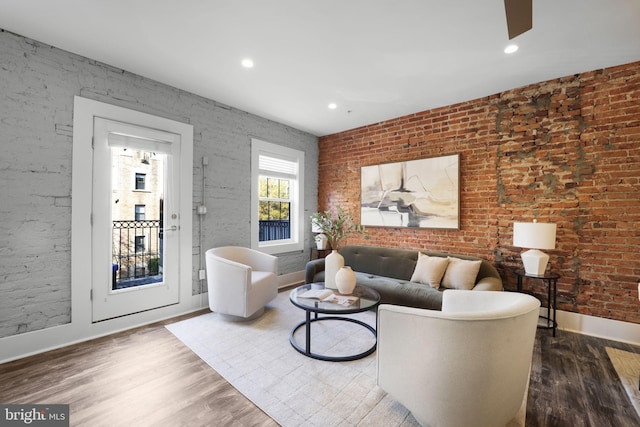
x=296, y=242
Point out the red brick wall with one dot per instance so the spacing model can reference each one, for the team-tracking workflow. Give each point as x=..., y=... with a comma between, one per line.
x=565, y=151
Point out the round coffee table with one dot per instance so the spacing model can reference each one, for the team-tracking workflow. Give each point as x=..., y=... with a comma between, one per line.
x=367, y=299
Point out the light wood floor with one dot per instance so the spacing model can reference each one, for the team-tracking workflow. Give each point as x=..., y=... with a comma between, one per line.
x=148, y=377
x=142, y=377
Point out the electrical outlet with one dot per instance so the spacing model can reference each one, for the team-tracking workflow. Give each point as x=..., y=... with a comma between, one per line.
x=202, y=274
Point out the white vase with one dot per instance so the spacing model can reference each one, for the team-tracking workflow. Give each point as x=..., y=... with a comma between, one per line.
x=346, y=280
x=321, y=241
x=332, y=263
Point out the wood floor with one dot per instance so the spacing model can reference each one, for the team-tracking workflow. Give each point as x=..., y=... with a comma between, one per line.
x=147, y=377
x=573, y=383
x=143, y=377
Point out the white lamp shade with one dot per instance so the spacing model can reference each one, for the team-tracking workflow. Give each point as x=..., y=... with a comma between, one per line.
x=534, y=235
x=315, y=228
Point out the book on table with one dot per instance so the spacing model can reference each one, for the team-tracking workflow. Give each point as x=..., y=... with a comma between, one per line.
x=320, y=294
x=326, y=295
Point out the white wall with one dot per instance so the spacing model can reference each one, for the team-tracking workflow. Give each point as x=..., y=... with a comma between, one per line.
x=38, y=84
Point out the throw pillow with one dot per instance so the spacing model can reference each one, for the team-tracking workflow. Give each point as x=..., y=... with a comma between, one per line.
x=429, y=270
x=461, y=274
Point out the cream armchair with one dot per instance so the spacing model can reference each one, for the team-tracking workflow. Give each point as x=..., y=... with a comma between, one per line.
x=467, y=365
x=241, y=281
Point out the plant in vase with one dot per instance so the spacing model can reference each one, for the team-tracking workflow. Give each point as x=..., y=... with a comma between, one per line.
x=337, y=228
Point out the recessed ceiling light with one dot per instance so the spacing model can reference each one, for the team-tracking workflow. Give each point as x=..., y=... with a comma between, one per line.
x=332, y=106
x=247, y=63
x=511, y=48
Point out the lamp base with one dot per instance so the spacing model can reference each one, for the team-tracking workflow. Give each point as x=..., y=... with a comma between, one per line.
x=535, y=262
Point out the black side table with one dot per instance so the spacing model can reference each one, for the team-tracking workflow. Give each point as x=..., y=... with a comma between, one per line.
x=319, y=253
x=551, y=280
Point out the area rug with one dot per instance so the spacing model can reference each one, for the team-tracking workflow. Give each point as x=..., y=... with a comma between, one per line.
x=627, y=365
x=258, y=360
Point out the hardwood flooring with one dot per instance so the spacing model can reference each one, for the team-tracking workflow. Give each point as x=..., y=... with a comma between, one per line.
x=142, y=377
x=147, y=377
x=573, y=383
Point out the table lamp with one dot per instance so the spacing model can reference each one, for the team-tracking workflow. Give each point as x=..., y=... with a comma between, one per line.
x=534, y=235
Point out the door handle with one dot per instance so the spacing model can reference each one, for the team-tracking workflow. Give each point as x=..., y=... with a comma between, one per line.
x=172, y=228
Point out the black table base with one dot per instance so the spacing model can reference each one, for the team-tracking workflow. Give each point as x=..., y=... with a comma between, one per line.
x=551, y=280
x=307, y=350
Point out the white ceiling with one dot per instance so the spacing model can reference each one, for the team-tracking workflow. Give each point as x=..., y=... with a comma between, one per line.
x=376, y=59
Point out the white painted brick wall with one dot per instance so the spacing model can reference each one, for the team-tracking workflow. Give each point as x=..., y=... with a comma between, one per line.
x=37, y=86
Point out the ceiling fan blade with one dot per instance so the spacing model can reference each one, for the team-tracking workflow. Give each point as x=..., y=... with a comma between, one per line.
x=519, y=16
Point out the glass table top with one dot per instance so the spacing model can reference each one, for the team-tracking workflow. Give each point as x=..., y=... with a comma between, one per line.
x=367, y=299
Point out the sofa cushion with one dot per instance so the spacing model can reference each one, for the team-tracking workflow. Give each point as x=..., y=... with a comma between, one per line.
x=461, y=274
x=387, y=262
x=429, y=270
x=402, y=292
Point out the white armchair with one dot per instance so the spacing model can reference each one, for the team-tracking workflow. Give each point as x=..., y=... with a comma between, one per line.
x=241, y=281
x=467, y=365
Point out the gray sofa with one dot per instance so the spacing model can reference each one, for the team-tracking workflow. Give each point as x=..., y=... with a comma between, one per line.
x=389, y=271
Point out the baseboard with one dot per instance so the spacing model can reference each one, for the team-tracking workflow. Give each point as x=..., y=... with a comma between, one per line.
x=31, y=343
x=290, y=279
x=600, y=327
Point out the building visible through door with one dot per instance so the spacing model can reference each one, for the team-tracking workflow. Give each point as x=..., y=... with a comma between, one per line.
x=137, y=212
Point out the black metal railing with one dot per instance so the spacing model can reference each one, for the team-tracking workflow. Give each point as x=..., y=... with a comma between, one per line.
x=274, y=229
x=137, y=252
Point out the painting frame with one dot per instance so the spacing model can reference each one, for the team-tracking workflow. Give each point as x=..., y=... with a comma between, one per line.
x=421, y=193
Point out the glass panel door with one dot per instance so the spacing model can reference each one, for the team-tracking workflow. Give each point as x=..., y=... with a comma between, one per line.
x=135, y=228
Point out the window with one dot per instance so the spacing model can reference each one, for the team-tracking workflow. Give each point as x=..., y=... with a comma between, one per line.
x=139, y=213
x=274, y=209
x=139, y=244
x=140, y=181
x=277, y=196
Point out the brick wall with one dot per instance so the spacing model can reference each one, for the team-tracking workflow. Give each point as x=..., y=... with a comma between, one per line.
x=565, y=151
x=37, y=86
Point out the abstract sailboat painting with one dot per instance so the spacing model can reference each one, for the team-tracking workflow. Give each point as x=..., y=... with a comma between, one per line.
x=422, y=193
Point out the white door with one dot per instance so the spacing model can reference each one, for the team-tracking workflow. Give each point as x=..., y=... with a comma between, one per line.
x=135, y=221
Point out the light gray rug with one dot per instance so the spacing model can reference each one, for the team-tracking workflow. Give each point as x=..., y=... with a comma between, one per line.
x=258, y=360
x=627, y=366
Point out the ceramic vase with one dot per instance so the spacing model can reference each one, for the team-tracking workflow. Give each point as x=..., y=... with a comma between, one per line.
x=321, y=241
x=346, y=280
x=332, y=263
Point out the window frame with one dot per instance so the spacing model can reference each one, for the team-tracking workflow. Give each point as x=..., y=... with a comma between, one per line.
x=296, y=192
x=143, y=176
x=139, y=210
x=276, y=199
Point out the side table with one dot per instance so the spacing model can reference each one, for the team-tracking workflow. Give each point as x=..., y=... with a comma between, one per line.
x=319, y=253
x=551, y=280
